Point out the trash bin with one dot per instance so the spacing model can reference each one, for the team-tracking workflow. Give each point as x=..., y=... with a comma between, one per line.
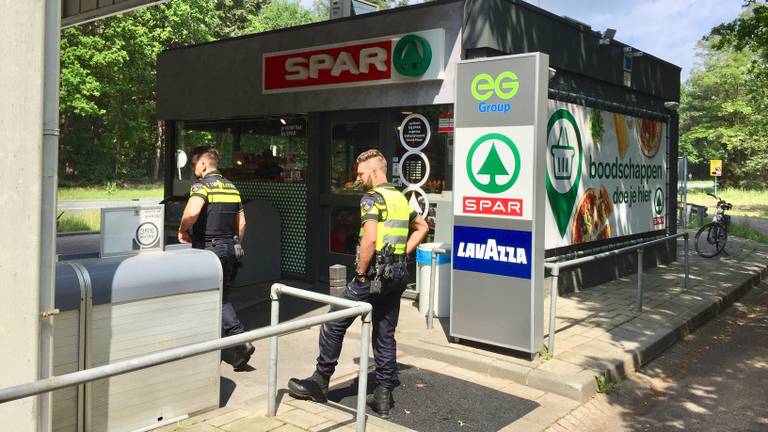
x=442, y=300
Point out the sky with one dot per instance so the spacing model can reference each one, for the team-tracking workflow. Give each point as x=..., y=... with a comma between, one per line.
x=668, y=29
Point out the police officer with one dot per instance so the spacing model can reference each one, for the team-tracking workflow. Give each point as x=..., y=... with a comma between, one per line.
x=380, y=279
x=215, y=214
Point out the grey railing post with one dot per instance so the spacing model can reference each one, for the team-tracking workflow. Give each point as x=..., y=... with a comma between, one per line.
x=432, y=277
x=685, y=261
x=274, y=296
x=553, y=293
x=640, y=279
x=362, y=380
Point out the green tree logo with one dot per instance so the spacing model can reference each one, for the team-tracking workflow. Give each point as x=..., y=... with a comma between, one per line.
x=658, y=201
x=412, y=56
x=493, y=166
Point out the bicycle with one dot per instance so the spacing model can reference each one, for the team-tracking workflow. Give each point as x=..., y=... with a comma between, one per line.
x=711, y=244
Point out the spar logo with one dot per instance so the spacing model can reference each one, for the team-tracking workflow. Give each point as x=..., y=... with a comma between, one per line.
x=658, y=207
x=381, y=60
x=503, y=86
x=494, y=251
x=493, y=166
x=412, y=56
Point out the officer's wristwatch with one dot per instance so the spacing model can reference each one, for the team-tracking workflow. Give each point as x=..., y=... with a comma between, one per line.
x=360, y=277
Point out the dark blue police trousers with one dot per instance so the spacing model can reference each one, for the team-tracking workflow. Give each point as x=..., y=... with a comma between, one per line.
x=230, y=323
x=386, y=311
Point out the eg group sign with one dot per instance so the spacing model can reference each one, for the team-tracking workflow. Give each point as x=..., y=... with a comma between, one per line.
x=494, y=165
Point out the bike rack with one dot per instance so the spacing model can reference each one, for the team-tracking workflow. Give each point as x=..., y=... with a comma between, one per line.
x=555, y=268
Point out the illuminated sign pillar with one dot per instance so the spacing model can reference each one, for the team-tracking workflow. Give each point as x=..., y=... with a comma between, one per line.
x=499, y=194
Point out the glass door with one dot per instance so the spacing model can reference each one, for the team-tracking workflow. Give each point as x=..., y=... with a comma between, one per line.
x=345, y=136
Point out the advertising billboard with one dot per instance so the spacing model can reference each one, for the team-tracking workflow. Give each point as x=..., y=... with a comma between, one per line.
x=606, y=175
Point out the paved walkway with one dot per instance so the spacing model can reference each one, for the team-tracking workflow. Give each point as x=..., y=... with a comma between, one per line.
x=713, y=381
x=599, y=332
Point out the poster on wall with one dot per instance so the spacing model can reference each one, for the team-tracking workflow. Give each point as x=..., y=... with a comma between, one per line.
x=606, y=175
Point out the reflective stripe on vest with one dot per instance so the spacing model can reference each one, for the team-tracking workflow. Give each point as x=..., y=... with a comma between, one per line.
x=393, y=228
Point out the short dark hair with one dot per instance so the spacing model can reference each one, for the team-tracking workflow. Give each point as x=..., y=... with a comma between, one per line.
x=206, y=151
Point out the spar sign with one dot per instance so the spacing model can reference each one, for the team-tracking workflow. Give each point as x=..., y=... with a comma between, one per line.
x=494, y=172
x=497, y=264
x=387, y=60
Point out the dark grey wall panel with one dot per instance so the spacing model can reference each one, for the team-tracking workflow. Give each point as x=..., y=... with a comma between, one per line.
x=222, y=80
x=513, y=27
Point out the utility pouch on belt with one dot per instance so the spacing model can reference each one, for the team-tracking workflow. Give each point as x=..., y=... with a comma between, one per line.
x=376, y=286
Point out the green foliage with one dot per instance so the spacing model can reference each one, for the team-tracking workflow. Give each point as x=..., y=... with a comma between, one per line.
x=749, y=203
x=108, y=70
x=544, y=354
x=73, y=221
x=747, y=32
x=235, y=16
x=747, y=232
x=110, y=188
x=281, y=14
x=605, y=385
x=124, y=192
x=724, y=115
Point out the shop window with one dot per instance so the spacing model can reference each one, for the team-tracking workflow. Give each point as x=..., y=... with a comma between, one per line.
x=438, y=152
x=344, y=230
x=348, y=141
x=270, y=149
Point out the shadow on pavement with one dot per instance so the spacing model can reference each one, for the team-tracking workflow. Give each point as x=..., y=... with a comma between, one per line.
x=431, y=402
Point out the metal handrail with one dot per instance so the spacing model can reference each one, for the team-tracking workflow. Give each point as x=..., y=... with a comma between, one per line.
x=555, y=268
x=353, y=309
x=359, y=308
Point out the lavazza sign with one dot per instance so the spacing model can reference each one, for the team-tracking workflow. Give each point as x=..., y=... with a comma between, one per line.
x=387, y=60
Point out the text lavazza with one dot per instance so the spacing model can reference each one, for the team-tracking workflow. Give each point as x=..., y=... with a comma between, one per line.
x=491, y=251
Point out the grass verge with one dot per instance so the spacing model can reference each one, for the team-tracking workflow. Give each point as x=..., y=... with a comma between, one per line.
x=80, y=220
x=111, y=191
x=747, y=232
x=749, y=203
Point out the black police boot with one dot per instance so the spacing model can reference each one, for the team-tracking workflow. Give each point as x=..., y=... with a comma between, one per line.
x=381, y=401
x=242, y=355
x=314, y=387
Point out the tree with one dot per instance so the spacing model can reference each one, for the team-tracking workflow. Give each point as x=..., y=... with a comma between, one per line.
x=725, y=102
x=723, y=115
x=108, y=88
x=749, y=31
x=235, y=16
x=281, y=14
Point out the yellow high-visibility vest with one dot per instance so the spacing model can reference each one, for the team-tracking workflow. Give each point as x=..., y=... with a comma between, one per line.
x=392, y=228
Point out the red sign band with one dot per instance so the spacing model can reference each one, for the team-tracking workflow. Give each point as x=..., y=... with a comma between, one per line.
x=493, y=206
x=339, y=65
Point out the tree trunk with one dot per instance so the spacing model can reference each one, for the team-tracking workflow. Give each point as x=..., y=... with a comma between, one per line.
x=158, y=152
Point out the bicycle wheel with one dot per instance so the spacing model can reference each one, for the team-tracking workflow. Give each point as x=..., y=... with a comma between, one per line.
x=710, y=239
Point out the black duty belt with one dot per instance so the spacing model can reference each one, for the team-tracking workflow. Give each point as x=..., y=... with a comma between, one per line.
x=219, y=241
x=395, y=259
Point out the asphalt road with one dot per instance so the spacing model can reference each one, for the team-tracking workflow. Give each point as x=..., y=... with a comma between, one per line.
x=715, y=380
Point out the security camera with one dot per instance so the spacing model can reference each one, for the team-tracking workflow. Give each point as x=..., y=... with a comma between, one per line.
x=552, y=73
x=607, y=36
x=672, y=105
